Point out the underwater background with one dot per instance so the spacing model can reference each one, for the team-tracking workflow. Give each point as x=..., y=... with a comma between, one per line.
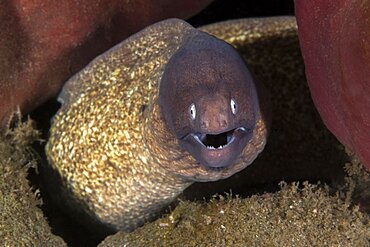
x=317, y=204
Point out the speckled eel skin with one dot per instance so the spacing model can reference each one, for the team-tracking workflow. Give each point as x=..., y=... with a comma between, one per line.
x=169, y=106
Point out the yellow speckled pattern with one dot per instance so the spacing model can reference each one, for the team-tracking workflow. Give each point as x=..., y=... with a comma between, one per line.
x=108, y=141
x=242, y=32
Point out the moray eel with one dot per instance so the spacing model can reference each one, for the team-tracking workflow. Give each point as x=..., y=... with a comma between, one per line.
x=169, y=106
x=208, y=100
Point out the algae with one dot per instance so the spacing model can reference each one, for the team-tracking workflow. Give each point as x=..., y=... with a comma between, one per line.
x=297, y=215
x=21, y=220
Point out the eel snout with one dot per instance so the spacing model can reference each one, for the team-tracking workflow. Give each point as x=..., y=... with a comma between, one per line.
x=217, y=150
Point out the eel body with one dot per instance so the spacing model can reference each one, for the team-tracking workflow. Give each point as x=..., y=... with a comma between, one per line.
x=118, y=157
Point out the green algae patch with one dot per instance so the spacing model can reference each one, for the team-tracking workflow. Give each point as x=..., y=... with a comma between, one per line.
x=297, y=215
x=21, y=221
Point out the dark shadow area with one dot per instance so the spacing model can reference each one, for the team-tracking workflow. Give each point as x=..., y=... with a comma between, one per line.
x=221, y=10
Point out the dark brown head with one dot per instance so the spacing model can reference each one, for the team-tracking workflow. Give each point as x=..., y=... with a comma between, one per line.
x=209, y=101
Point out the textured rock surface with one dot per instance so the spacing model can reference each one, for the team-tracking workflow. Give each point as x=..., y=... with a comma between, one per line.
x=335, y=41
x=297, y=215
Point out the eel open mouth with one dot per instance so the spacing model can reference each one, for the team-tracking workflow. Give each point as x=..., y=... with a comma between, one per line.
x=218, y=141
x=217, y=150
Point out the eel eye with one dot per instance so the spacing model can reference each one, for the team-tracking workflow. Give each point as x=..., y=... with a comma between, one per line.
x=192, y=111
x=234, y=106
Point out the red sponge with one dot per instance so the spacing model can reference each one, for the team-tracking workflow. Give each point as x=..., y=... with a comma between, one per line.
x=335, y=42
x=43, y=43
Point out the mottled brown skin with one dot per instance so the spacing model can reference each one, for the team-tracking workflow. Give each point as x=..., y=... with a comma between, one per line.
x=206, y=77
x=116, y=156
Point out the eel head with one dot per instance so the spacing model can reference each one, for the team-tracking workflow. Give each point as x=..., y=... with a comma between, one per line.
x=208, y=100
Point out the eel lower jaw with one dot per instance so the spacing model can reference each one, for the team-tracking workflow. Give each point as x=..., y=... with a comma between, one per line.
x=217, y=150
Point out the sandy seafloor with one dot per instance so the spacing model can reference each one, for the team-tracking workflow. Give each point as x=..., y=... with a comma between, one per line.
x=321, y=203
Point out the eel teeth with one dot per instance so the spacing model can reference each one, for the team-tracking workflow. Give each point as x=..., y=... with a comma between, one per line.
x=212, y=147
